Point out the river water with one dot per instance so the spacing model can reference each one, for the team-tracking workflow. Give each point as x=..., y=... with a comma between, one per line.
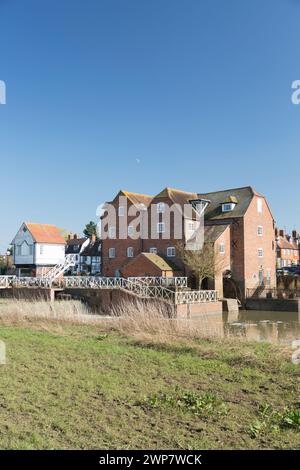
x=274, y=327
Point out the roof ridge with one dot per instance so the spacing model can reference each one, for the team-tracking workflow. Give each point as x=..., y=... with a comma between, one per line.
x=231, y=189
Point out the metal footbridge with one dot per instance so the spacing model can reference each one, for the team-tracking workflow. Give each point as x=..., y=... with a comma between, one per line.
x=171, y=289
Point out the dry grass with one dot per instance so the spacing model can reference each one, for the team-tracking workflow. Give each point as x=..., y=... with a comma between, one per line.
x=23, y=311
x=151, y=322
x=142, y=320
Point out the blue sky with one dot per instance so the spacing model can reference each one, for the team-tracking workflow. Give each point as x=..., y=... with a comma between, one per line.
x=105, y=95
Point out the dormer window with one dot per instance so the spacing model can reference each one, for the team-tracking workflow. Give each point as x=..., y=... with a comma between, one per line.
x=229, y=204
x=228, y=207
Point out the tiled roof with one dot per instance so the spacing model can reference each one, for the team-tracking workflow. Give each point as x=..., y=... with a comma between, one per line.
x=177, y=196
x=137, y=198
x=214, y=209
x=92, y=249
x=213, y=232
x=283, y=243
x=45, y=233
x=74, y=245
x=160, y=262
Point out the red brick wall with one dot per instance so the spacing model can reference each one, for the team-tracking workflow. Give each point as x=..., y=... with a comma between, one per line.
x=254, y=263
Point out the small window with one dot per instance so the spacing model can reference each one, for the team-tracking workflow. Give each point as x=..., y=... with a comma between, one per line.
x=160, y=207
x=171, y=252
x=191, y=225
x=222, y=248
x=121, y=211
x=130, y=230
x=41, y=249
x=130, y=252
x=112, y=253
x=260, y=231
x=260, y=252
x=112, y=232
x=160, y=227
x=259, y=206
x=228, y=207
x=153, y=250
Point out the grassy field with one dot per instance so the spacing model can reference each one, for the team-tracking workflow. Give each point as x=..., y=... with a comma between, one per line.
x=88, y=387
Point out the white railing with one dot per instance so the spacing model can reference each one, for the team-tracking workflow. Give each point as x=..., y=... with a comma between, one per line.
x=141, y=288
x=161, y=281
x=61, y=268
x=6, y=281
x=195, y=297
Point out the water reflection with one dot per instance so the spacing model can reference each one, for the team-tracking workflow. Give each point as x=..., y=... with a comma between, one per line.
x=274, y=327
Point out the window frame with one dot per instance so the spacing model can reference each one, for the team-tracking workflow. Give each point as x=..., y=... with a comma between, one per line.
x=173, y=252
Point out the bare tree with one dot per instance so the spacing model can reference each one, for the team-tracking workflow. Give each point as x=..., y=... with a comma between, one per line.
x=204, y=263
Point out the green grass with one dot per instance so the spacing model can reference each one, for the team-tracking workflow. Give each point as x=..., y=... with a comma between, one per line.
x=77, y=387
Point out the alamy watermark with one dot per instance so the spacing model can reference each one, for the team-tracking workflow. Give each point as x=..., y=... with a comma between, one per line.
x=157, y=221
x=2, y=92
x=296, y=93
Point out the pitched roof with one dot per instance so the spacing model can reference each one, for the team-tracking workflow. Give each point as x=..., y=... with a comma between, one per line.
x=177, y=196
x=282, y=242
x=137, y=198
x=92, y=249
x=160, y=262
x=213, y=232
x=243, y=196
x=74, y=245
x=45, y=233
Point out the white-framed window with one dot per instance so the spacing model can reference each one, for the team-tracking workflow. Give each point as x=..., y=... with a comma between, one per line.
x=191, y=225
x=130, y=252
x=260, y=252
x=112, y=232
x=228, y=207
x=160, y=227
x=41, y=249
x=259, y=206
x=171, y=251
x=112, y=253
x=130, y=230
x=222, y=248
x=121, y=211
x=160, y=207
x=153, y=249
x=260, y=230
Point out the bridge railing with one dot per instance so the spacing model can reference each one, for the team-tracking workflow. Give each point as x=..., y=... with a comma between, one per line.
x=7, y=281
x=141, y=289
x=161, y=281
x=195, y=297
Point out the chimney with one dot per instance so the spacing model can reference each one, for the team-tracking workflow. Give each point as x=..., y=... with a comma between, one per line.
x=281, y=233
x=93, y=238
x=69, y=236
x=75, y=236
x=295, y=234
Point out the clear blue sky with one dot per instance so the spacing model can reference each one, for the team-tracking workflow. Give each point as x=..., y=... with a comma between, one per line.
x=139, y=95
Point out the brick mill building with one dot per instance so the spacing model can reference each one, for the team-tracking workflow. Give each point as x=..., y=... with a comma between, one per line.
x=238, y=221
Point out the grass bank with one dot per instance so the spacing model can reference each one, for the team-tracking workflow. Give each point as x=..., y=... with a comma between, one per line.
x=77, y=386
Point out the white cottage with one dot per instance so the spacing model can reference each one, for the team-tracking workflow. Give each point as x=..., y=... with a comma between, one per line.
x=37, y=248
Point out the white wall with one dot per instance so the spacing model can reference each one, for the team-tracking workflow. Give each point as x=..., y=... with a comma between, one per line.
x=48, y=254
